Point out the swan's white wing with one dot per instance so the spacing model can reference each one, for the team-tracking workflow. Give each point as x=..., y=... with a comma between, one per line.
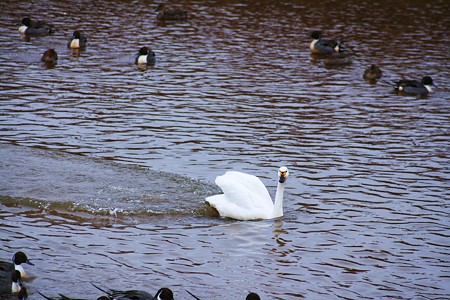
x=244, y=197
x=229, y=209
x=244, y=190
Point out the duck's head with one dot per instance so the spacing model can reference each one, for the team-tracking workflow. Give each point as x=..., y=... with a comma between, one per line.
x=428, y=81
x=76, y=34
x=316, y=35
x=144, y=51
x=164, y=294
x=20, y=258
x=252, y=296
x=26, y=21
x=283, y=174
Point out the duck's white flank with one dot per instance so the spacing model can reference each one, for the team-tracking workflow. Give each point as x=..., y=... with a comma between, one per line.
x=142, y=59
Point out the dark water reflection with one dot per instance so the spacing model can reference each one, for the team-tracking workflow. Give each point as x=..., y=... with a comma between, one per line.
x=127, y=154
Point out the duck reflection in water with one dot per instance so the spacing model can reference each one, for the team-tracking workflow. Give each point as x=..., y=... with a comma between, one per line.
x=338, y=59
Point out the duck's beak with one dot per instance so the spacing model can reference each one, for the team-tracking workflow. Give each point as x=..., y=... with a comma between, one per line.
x=29, y=262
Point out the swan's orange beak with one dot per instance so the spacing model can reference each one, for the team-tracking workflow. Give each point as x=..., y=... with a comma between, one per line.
x=282, y=176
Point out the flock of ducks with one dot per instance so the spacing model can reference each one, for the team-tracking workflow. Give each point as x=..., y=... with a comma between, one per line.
x=330, y=50
x=78, y=40
x=334, y=54
x=13, y=273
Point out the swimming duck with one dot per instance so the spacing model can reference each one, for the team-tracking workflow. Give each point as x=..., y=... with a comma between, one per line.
x=11, y=274
x=28, y=27
x=50, y=56
x=372, y=73
x=170, y=15
x=323, y=46
x=145, y=56
x=18, y=259
x=416, y=87
x=162, y=294
x=78, y=40
x=246, y=198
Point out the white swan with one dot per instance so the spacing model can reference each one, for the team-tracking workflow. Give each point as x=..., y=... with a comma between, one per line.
x=246, y=198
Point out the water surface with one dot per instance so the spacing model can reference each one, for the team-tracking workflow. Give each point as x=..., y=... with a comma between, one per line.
x=105, y=165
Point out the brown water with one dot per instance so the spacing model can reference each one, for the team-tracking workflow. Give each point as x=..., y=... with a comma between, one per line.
x=105, y=166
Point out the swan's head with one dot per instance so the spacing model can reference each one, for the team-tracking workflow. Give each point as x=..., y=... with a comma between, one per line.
x=283, y=174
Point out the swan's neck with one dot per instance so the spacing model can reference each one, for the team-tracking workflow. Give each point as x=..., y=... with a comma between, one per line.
x=278, y=205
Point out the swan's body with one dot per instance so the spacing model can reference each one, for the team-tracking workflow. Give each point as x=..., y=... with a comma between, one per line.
x=246, y=198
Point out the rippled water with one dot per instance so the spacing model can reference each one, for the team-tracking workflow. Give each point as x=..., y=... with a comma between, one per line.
x=105, y=165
